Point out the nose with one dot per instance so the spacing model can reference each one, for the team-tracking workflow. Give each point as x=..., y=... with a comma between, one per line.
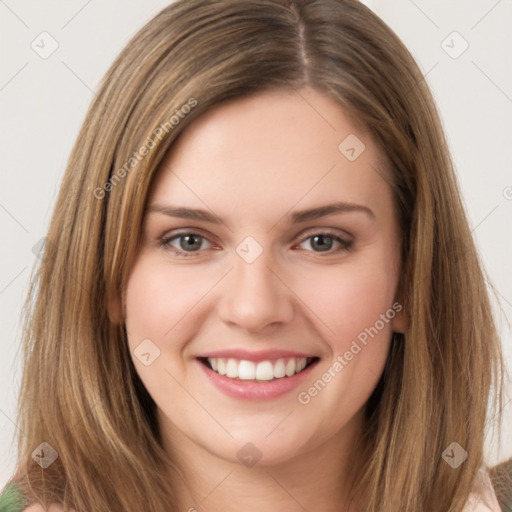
x=254, y=298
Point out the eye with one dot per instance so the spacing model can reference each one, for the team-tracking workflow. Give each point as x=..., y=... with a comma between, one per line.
x=325, y=241
x=184, y=244
x=188, y=244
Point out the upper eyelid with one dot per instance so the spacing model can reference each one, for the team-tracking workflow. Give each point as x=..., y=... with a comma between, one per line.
x=304, y=232
x=326, y=231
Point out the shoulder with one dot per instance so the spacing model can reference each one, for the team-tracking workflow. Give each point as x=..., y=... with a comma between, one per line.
x=483, y=495
x=12, y=500
x=501, y=478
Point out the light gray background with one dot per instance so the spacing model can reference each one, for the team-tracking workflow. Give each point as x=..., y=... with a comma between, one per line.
x=43, y=103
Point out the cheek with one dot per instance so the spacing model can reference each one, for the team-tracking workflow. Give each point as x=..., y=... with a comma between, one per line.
x=353, y=308
x=159, y=299
x=350, y=299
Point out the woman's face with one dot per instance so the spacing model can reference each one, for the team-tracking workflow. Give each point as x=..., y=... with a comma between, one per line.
x=270, y=242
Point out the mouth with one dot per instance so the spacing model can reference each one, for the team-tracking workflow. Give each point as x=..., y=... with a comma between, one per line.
x=261, y=371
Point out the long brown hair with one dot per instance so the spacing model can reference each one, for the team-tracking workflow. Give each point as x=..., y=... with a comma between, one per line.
x=80, y=392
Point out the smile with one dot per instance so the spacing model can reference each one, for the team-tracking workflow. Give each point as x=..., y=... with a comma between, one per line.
x=266, y=370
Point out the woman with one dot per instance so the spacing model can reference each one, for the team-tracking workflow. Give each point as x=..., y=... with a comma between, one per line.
x=259, y=289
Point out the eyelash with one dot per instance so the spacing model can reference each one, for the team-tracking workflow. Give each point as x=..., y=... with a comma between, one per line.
x=165, y=241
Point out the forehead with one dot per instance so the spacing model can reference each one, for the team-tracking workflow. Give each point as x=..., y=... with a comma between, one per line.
x=270, y=151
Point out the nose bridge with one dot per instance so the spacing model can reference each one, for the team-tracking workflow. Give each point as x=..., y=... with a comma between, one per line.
x=253, y=297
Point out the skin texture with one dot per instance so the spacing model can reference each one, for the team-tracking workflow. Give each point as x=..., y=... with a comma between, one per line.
x=252, y=162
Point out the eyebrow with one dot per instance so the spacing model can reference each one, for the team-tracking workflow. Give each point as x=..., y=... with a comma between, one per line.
x=293, y=218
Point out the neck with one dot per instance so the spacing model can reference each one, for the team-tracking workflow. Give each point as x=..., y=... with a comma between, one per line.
x=315, y=479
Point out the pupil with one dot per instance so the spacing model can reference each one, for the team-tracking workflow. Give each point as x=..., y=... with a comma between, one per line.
x=320, y=242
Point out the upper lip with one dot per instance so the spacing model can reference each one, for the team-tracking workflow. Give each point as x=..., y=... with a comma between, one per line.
x=246, y=355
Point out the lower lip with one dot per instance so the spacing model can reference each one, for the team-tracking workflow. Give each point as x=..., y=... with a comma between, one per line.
x=256, y=390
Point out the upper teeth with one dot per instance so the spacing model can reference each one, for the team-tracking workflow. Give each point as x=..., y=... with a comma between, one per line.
x=264, y=370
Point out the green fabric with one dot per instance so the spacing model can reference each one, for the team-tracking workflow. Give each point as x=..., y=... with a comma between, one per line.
x=11, y=500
